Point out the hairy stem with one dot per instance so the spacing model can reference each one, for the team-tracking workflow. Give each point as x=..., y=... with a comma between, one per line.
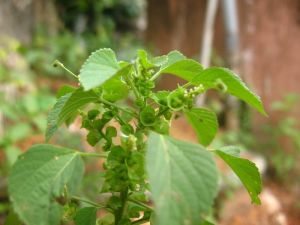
x=120, y=212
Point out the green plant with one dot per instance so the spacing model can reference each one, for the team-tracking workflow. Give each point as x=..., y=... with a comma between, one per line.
x=139, y=154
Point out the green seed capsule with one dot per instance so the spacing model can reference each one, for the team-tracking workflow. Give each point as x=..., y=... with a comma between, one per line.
x=147, y=116
x=92, y=114
x=176, y=100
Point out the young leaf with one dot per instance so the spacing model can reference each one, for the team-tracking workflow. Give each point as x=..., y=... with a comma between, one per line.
x=205, y=124
x=183, y=180
x=143, y=57
x=86, y=216
x=231, y=83
x=65, y=107
x=186, y=69
x=39, y=177
x=246, y=171
x=98, y=68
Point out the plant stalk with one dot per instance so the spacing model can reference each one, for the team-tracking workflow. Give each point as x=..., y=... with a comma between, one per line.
x=58, y=63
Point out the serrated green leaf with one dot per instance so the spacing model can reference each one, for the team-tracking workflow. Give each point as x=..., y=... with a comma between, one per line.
x=247, y=173
x=40, y=176
x=159, y=60
x=173, y=57
x=204, y=122
x=98, y=68
x=234, y=85
x=183, y=180
x=65, y=108
x=186, y=69
x=86, y=216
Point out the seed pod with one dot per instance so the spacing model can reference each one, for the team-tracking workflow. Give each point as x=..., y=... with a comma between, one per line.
x=92, y=114
x=176, y=100
x=147, y=116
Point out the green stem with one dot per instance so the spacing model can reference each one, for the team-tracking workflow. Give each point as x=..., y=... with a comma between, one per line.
x=116, y=106
x=140, y=204
x=58, y=63
x=88, y=202
x=131, y=84
x=155, y=76
x=92, y=154
x=187, y=84
x=120, y=212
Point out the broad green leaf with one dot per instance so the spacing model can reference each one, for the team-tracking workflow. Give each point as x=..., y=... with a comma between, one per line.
x=39, y=177
x=98, y=68
x=159, y=60
x=86, y=216
x=53, y=116
x=64, y=90
x=173, y=57
x=183, y=180
x=186, y=69
x=65, y=108
x=210, y=77
x=205, y=124
x=231, y=150
x=246, y=171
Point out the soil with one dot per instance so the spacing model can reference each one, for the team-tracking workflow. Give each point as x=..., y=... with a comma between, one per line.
x=280, y=206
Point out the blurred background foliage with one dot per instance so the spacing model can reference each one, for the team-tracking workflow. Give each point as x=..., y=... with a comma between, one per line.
x=28, y=80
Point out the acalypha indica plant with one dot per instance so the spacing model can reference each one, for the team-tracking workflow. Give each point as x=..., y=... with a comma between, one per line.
x=148, y=175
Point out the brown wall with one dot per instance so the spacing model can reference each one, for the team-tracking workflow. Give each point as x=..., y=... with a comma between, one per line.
x=270, y=39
